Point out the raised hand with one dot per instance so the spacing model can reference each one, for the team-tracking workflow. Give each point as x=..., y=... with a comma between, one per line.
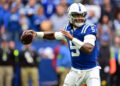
x=67, y=34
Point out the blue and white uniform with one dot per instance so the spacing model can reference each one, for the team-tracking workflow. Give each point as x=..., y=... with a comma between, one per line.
x=81, y=60
x=84, y=66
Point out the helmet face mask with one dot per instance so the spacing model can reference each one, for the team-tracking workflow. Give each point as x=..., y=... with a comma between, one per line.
x=77, y=19
x=76, y=15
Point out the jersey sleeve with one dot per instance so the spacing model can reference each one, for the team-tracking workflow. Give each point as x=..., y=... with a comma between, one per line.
x=92, y=29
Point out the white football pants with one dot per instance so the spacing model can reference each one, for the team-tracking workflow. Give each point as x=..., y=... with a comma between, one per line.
x=75, y=77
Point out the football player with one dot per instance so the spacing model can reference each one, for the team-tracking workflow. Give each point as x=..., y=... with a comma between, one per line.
x=81, y=38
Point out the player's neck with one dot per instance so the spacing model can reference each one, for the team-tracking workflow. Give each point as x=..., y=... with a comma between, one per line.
x=75, y=26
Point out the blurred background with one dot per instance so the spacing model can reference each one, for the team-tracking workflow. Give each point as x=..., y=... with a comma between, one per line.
x=44, y=62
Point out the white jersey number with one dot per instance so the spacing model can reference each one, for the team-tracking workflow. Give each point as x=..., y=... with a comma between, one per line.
x=77, y=53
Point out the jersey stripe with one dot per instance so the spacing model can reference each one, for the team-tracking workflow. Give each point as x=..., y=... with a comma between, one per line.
x=83, y=28
x=86, y=28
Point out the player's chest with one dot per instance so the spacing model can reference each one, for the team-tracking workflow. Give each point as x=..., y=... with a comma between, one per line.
x=77, y=34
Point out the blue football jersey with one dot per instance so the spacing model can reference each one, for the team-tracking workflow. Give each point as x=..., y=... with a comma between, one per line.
x=81, y=60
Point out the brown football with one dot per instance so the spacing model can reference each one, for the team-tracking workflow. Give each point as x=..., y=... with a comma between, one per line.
x=26, y=38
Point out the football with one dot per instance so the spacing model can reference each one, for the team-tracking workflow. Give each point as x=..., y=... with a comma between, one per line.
x=26, y=38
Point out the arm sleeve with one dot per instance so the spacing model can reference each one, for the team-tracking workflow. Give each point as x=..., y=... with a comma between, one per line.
x=90, y=39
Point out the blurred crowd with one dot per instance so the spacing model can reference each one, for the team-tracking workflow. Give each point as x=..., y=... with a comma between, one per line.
x=40, y=63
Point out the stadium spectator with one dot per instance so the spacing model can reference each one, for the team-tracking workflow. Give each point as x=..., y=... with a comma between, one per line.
x=31, y=18
x=106, y=8
x=32, y=4
x=6, y=13
x=39, y=17
x=94, y=10
x=46, y=26
x=104, y=28
x=30, y=10
x=65, y=4
x=103, y=60
x=49, y=8
x=18, y=3
x=59, y=16
x=6, y=64
x=24, y=22
x=13, y=28
x=48, y=76
x=115, y=49
x=28, y=61
x=63, y=63
x=15, y=52
x=116, y=24
x=92, y=18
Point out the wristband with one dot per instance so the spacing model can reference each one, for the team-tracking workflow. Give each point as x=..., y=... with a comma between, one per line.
x=59, y=36
x=40, y=34
x=77, y=42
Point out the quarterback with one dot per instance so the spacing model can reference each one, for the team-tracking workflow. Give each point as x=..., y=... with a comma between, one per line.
x=81, y=38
